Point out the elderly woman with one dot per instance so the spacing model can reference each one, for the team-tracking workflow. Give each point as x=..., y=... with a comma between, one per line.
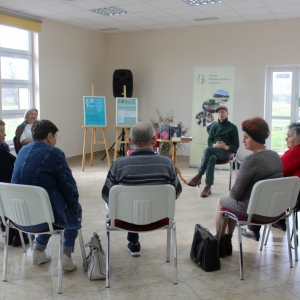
x=291, y=167
x=261, y=164
x=23, y=131
x=42, y=164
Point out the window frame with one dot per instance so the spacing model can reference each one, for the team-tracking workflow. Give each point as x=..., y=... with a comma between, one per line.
x=18, y=83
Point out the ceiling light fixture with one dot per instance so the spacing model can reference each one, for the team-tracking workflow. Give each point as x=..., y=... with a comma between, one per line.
x=202, y=2
x=110, y=11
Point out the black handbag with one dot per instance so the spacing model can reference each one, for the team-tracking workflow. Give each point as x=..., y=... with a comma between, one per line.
x=205, y=249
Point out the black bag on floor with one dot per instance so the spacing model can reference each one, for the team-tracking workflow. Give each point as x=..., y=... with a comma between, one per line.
x=205, y=249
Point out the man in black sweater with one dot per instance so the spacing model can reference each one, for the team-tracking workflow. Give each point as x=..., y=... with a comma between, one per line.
x=223, y=139
x=143, y=166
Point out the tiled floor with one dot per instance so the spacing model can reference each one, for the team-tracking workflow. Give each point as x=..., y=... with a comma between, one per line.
x=267, y=273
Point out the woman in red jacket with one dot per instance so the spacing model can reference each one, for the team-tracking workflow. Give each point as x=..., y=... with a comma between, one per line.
x=291, y=167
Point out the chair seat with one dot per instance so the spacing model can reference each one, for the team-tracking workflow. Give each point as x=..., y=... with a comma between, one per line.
x=43, y=231
x=222, y=162
x=253, y=221
x=148, y=227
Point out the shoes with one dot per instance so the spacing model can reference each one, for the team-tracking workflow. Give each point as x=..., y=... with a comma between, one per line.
x=16, y=241
x=251, y=235
x=195, y=181
x=280, y=225
x=68, y=264
x=134, y=249
x=40, y=257
x=206, y=192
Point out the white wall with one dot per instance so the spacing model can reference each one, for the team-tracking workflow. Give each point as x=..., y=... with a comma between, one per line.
x=162, y=63
x=71, y=59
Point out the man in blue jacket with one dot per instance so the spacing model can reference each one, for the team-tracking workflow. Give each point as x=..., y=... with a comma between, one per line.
x=41, y=164
x=223, y=139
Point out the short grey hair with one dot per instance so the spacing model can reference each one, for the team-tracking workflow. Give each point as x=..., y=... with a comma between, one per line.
x=295, y=127
x=142, y=134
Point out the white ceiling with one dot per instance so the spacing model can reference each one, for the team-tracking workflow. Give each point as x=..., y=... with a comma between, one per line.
x=152, y=14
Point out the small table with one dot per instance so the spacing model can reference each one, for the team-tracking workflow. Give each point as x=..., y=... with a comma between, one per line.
x=174, y=155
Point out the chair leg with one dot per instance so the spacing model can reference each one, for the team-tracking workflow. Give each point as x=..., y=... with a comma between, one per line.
x=30, y=242
x=82, y=249
x=232, y=163
x=264, y=238
x=4, y=274
x=240, y=252
x=60, y=258
x=295, y=231
x=174, y=250
x=168, y=244
x=289, y=241
x=22, y=241
x=107, y=253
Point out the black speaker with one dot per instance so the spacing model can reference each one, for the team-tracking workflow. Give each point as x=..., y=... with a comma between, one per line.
x=120, y=78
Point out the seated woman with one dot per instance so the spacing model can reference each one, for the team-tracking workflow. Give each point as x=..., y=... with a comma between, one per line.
x=23, y=131
x=42, y=164
x=261, y=164
x=7, y=161
x=291, y=167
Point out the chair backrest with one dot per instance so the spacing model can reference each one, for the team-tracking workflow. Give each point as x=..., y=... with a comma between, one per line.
x=272, y=197
x=17, y=145
x=25, y=205
x=141, y=204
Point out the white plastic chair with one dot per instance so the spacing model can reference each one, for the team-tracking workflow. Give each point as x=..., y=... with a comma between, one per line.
x=141, y=208
x=272, y=198
x=294, y=232
x=27, y=205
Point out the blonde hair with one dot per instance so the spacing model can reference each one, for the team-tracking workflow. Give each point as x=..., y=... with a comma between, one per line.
x=28, y=111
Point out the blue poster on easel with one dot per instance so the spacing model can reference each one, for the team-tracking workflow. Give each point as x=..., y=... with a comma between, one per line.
x=127, y=111
x=94, y=111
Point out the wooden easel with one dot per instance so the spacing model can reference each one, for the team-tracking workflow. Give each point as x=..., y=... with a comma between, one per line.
x=125, y=128
x=94, y=141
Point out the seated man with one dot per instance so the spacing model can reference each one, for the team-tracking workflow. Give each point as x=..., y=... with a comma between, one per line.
x=223, y=139
x=41, y=164
x=143, y=166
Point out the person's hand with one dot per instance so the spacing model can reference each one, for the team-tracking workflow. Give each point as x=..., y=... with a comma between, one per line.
x=221, y=145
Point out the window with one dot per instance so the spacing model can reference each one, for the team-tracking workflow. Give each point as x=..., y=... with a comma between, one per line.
x=16, y=76
x=283, y=103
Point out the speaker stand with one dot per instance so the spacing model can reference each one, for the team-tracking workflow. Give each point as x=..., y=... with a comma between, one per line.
x=121, y=151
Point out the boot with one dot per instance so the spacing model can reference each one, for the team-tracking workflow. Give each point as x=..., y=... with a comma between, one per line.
x=222, y=247
x=206, y=191
x=228, y=244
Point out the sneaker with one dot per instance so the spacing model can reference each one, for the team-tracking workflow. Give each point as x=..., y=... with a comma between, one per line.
x=134, y=249
x=206, y=191
x=250, y=235
x=280, y=225
x=40, y=257
x=195, y=181
x=68, y=264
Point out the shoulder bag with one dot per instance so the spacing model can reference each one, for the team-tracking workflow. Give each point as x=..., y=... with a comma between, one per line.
x=96, y=262
x=205, y=249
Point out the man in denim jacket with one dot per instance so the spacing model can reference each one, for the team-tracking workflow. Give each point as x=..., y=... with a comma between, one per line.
x=41, y=164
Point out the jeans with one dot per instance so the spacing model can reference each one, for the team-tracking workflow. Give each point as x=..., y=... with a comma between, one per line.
x=133, y=237
x=209, y=159
x=42, y=240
